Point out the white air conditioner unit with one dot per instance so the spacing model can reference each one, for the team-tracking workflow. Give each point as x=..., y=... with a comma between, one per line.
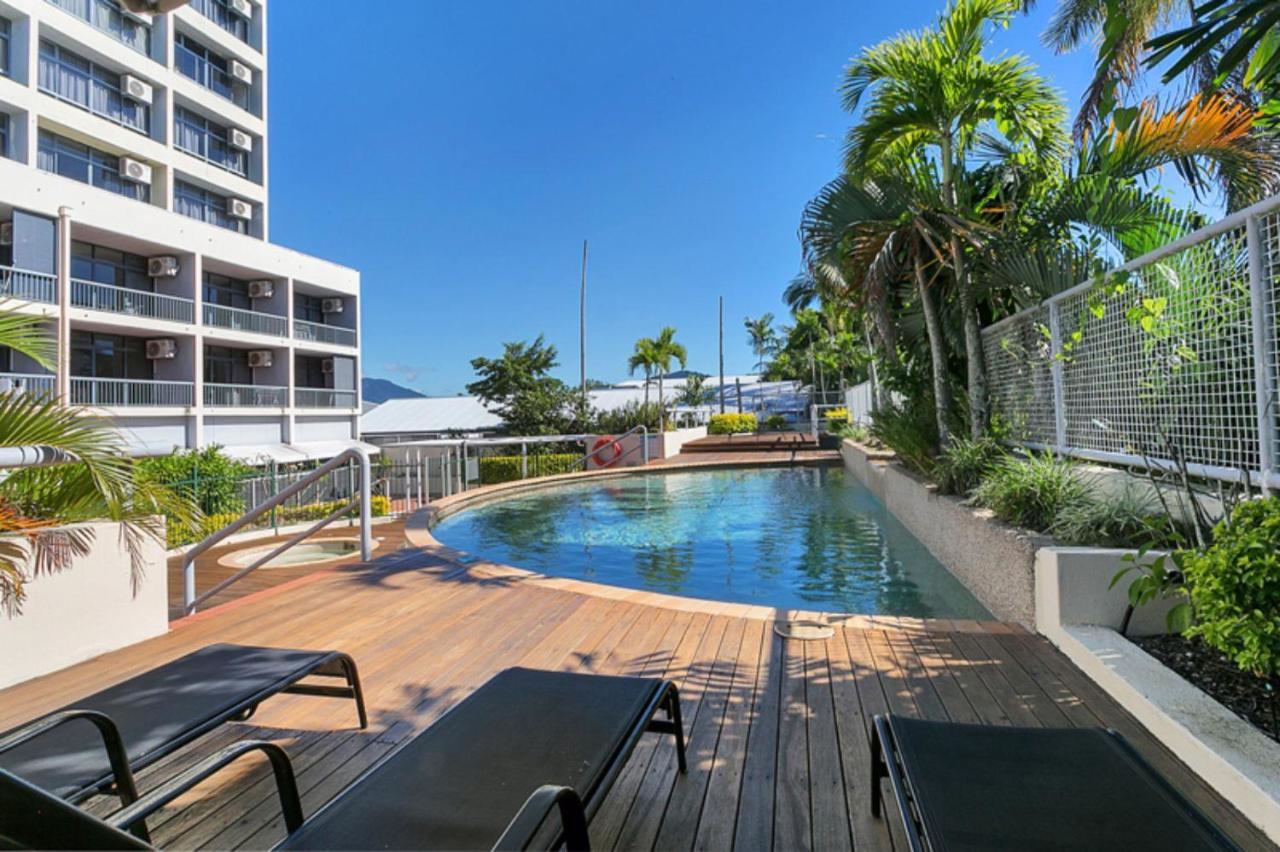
x=260, y=358
x=241, y=72
x=243, y=8
x=263, y=289
x=162, y=267
x=326, y=366
x=331, y=306
x=239, y=208
x=136, y=90
x=134, y=170
x=6, y=233
x=237, y=138
x=162, y=349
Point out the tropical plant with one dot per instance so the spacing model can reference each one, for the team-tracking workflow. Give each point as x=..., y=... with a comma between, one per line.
x=934, y=91
x=619, y=420
x=910, y=431
x=694, y=392
x=519, y=389
x=761, y=336
x=1235, y=588
x=1129, y=517
x=644, y=357
x=208, y=477
x=95, y=482
x=665, y=349
x=964, y=462
x=1031, y=492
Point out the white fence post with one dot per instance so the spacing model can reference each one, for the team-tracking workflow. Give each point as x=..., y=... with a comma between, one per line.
x=1264, y=387
x=1055, y=368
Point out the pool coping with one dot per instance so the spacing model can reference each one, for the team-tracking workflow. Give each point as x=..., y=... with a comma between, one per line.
x=417, y=530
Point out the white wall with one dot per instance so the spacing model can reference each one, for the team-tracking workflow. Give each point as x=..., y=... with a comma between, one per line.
x=671, y=442
x=86, y=610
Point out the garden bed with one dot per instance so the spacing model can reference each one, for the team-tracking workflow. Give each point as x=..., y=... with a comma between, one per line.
x=1218, y=677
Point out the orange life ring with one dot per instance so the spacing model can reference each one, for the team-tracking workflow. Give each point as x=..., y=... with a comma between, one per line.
x=601, y=459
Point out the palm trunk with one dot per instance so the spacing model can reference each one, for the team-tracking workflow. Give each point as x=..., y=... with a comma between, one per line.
x=662, y=409
x=976, y=373
x=647, y=374
x=937, y=354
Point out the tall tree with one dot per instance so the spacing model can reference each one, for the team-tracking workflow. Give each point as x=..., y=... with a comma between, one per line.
x=665, y=350
x=934, y=92
x=520, y=388
x=644, y=357
x=761, y=336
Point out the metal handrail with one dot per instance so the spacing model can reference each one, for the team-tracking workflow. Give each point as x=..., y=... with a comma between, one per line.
x=644, y=446
x=96, y=296
x=189, y=597
x=242, y=319
x=322, y=333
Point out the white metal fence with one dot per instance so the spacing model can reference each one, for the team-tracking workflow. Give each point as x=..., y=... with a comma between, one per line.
x=1172, y=357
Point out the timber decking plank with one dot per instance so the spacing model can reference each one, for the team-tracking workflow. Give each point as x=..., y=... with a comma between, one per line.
x=792, y=818
x=828, y=808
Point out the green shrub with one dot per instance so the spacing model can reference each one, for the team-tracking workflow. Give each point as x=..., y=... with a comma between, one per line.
x=965, y=462
x=1235, y=588
x=495, y=469
x=1031, y=492
x=775, y=423
x=626, y=418
x=206, y=476
x=732, y=424
x=178, y=534
x=910, y=430
x=836, y=417
x=1131, y=518
x=854, y=432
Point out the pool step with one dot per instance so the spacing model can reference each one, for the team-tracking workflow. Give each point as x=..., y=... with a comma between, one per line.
x=766, y=443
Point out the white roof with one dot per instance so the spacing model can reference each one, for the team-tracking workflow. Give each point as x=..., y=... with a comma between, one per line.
x=287, y=453
x=429, y=414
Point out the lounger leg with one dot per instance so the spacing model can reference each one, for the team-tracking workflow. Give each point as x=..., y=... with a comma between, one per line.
x=245, y=714
x=673, y=713
x=878, y=770
x=353, y=681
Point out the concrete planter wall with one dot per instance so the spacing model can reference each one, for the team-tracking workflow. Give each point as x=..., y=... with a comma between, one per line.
x=995, y=561
x=671, y=442
x=86, y=610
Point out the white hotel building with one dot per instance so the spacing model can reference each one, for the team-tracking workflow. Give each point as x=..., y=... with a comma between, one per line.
x=133, y=214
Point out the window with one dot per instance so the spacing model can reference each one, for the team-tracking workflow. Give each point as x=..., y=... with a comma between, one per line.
x=207, y=140
x=308, y=372
x=197, y=62
x=5, y=49
x=228, y=292
x=226, y=366
x=106, y=15
x=109, y=356
x=307, y=308
x=109, y=266
x=4, y=135
x=207, y=206
x=61, y=156
x=221, y=13
x=73, y=78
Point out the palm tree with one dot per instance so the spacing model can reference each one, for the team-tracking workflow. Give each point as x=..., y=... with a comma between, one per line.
x=761, y=336
x=665, y=349
x=94, y=481
x=933, y=91
x=643, y=358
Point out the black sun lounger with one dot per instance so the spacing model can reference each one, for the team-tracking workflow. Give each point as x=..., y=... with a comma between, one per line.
x=487, y=775
x=975, y=787
x=86, y=746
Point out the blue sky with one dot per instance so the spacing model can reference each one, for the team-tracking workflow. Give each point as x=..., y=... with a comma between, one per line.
x=460, y=152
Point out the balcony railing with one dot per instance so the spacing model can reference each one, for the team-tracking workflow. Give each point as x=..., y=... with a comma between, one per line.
x=105, y=15
x=231, y=396
x=139, y=303
x=303, y=330
x=66, y=82
x=221, y=14
x=238, y=319
x=210, y=76
x=31, y=383
x=323, y=398
x=126, y=392
x=28, y=286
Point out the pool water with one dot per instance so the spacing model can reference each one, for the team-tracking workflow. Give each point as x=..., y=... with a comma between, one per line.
x=796, y=538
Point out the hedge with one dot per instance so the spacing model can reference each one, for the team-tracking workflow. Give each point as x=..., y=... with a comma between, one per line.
x=495, y=469
x=177, y=535
x=731, y=424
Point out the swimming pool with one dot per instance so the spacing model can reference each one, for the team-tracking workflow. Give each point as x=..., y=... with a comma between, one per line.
x=796, y=538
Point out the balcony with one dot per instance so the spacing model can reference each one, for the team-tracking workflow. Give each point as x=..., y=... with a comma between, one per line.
x=130, y=392
x=238, y=319
x=323, y=398
x=139, y=303
x=247, y=396
x=36, y=384
x=105, y=15
x=206, y=74
x=28, y=286
x=314, y=331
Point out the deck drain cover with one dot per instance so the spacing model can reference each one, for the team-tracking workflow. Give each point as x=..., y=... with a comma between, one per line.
x=805, y=630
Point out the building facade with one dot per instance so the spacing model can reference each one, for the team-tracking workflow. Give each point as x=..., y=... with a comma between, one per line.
x=134, y=216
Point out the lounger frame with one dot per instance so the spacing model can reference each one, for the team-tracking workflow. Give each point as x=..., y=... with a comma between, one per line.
x=886, y=763
x=119, y=780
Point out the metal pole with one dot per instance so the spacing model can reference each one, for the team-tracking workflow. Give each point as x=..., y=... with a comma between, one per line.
x=1263, y=381
x=366, y=510
x=1055, y=352
x=722, y=354
x=582, y=328
x=524, y=460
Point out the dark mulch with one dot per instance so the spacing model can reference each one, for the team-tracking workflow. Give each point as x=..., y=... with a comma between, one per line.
x=1216, y=675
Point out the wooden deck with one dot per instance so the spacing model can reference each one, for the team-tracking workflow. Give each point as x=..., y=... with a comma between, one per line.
x=777, y=728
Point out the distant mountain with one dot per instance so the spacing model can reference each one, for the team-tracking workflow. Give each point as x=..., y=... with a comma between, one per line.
x=381, y=390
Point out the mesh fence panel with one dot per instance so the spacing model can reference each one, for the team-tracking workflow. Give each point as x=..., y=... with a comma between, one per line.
x=1157, y=363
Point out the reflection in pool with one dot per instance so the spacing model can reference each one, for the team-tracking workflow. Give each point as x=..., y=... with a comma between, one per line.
x=800, y=538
